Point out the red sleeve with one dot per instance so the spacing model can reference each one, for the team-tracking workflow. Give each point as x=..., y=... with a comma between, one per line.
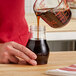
x=13, y=25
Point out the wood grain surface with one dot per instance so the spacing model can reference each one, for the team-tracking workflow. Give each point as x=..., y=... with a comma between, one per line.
x=56, y=60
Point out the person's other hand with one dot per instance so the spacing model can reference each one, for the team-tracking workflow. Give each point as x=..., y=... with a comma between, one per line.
x=11, y=51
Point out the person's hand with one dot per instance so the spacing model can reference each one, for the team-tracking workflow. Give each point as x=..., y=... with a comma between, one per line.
x=11, y=51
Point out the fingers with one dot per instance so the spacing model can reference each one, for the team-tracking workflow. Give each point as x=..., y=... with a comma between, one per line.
x=20, y=54
x=22, y=62
x=13, y=59
x=24, y=50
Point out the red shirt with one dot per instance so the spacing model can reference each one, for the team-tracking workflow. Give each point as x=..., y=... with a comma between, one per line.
x=13, y=26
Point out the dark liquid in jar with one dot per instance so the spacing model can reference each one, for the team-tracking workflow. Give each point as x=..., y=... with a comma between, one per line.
x=40, y=48
x=55, y=18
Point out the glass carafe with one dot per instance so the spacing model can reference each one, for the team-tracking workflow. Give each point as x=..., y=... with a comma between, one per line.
x=55, y=13
x=38, y=44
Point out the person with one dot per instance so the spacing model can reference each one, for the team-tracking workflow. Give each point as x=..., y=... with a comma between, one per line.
x=14, y=33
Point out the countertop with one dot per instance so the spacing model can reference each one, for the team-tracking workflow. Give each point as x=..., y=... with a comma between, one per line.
x=56, y=60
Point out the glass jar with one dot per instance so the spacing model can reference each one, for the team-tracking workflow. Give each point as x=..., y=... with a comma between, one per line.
x=38, y=44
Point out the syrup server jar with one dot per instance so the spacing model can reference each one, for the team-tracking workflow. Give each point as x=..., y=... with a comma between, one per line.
x=38, y=44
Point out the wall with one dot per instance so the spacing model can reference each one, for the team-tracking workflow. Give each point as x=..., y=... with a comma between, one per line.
x=29, y=6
